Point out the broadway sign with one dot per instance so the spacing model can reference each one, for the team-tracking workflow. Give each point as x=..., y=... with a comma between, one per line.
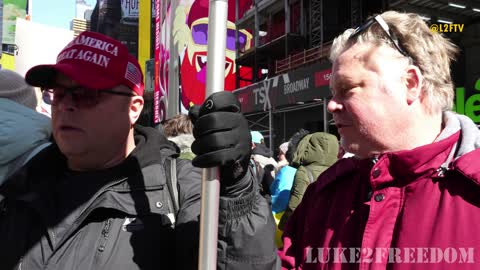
x=301, y=85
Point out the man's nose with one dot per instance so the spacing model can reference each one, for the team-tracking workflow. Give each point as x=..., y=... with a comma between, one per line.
x=334, y=106
x=66, y=103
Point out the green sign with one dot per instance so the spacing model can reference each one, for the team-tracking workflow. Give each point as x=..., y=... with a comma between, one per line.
x=12, y=9
x=470, y=106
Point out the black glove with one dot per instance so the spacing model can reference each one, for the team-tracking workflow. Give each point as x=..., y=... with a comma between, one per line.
x=221, y=132
x=222, y=136
x=193, y=113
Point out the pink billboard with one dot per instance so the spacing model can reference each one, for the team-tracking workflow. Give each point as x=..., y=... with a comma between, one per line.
x=189, y=33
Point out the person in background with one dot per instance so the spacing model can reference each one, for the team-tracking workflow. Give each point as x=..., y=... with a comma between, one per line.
x=280, y=192
x=282, y=160
x=105, y=195
x=281, y=186
x=23, y=131
x=178, y=129
x=45, y=106
x=260, y=152
x=315, y=153
x=263, y=163
x=412, y=191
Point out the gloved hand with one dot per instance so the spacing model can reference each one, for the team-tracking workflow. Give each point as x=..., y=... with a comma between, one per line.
x=221, y=132
x=222, y=138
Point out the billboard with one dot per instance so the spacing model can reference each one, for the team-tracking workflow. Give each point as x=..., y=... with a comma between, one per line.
x=468, y=102
x=182, y=48
x=12, y=9
x=160, y=95
x=130, y=11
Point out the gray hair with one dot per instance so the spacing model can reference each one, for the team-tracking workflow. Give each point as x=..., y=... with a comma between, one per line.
x=432, y=53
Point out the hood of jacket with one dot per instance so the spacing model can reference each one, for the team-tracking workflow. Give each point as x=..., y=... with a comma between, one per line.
x=466, y=151
x=21, y=130
x=318, y=148
x=469, y=137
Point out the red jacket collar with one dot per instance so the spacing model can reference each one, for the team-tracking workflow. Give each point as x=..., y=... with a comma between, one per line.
x=468, y=165
x=407, y=165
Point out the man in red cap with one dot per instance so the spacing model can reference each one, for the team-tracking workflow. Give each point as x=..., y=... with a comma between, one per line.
x=109, y=194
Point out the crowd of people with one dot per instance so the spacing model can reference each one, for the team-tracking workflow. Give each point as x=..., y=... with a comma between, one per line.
x=91, y=189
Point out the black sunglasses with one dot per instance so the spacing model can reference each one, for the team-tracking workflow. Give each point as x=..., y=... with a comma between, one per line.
x=393, y=38
x=82, y=97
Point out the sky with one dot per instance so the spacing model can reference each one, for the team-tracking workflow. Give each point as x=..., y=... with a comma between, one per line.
x=56, y=13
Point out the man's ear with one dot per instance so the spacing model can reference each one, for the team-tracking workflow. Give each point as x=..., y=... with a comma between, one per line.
x=413, y=83
x=136, y=106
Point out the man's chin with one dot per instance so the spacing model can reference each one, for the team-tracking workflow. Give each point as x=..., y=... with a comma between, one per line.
x=71, y=151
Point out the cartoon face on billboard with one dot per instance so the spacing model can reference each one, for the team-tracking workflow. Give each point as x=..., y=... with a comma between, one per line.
x=190, y=34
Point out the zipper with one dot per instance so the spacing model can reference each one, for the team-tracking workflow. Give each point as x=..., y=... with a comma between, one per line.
x=369, y=194
x=103, y=242
x=105, y=233
x=20, y=263
x=83, y=214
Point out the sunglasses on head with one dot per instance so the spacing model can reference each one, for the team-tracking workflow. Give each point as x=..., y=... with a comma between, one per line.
x=81, y=96
x=384, y=26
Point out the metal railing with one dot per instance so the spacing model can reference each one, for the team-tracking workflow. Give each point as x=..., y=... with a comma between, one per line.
x=302, y=58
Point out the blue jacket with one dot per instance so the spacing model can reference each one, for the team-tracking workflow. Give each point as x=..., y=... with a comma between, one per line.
x=281, y=187
x=23, y=133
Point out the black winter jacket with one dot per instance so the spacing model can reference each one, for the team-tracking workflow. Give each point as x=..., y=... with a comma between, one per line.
x=127, y=224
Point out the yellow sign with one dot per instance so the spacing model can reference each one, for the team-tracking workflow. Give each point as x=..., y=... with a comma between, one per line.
x=144, y=29
x=7, y=61
x=447, y=28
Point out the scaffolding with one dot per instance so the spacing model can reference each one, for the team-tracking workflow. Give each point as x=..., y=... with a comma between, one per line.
x=316, y=23
x=301, y=59
x=263, y=122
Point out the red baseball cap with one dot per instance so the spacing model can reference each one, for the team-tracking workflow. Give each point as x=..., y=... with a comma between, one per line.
x=94, y=61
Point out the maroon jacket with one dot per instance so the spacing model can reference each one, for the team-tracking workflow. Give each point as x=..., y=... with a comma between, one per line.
x=415, y=209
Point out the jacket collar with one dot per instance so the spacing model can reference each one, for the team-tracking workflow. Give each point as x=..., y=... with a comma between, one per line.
x=466, y=153
x=408, y=165
x=470, y=134
x=456, y=148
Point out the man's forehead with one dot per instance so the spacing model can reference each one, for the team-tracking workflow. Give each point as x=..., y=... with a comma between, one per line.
x=63, y=80
x=340, y=67
x=355, y=53
x=340, y=77
x=352, y=59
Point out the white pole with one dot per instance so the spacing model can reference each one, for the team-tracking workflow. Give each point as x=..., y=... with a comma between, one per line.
x=30, y=8
x=217, y=36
